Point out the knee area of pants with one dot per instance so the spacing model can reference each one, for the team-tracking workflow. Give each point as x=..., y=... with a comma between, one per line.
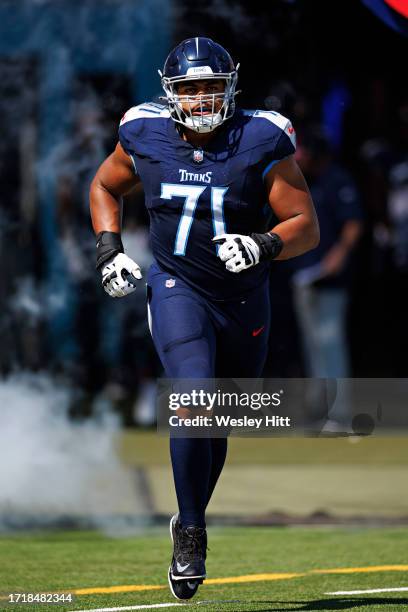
x=194, y=368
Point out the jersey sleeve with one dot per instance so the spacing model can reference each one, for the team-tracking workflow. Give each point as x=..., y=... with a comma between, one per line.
x=130, y=128
x=275, y=138
x=286, y=144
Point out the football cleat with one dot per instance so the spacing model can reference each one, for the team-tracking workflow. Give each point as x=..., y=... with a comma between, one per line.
x=187, y=569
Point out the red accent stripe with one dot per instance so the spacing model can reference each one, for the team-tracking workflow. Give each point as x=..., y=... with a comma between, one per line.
x=401, y=6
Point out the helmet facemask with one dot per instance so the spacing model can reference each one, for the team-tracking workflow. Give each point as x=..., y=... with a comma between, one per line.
x=201, y=113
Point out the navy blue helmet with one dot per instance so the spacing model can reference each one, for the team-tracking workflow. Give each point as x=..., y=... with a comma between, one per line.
x=194, y=59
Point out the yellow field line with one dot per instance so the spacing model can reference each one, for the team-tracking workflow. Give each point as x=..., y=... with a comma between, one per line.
x=128, y=588
x=131, y=588
x=248, y=578
x=362, y=570
x=252, y=578
x=125, y=588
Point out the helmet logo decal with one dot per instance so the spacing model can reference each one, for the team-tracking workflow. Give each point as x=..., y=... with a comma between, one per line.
x=200, y=70
x=198, y=156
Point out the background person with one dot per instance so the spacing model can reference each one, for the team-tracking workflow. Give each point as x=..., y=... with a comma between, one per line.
x=323, y=276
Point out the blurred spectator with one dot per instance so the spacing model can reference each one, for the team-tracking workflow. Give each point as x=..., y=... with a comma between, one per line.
x=322, y=277
x=292, y=101
x=74, y=329
x=282, y=98
x=335, y=103
x=384, y=180
x=22, y=318
x=397, y=206
x=104, y=348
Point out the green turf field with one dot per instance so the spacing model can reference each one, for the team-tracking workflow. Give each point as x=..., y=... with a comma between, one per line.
x=266, y=569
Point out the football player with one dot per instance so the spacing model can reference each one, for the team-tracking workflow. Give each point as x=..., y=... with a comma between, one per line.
x=207, y=169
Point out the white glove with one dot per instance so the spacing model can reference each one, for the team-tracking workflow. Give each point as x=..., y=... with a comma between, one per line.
x=119, y=275
x=239, y=252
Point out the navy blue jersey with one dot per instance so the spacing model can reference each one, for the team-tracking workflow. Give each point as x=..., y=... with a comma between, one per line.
x=193, y=195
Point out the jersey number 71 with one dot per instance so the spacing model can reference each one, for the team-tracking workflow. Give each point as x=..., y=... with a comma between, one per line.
x=191, y=193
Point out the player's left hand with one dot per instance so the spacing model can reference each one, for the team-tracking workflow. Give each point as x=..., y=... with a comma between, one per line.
x=238, y=251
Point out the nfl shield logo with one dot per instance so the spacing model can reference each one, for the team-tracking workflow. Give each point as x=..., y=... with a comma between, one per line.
x=198, y=155
x=170, y=282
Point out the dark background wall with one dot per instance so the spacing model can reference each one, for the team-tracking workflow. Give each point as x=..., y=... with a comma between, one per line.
x=69, y=66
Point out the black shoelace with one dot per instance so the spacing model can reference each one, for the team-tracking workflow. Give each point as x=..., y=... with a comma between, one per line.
x=192, y=544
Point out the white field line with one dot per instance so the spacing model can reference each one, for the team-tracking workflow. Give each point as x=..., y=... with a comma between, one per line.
x=162, y=605
x=144, y=607
x=368, y=591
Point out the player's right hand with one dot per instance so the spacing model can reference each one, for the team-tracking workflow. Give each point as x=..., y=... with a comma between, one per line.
x=119, y=275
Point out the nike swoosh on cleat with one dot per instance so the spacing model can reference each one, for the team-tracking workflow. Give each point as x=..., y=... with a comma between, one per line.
x=191, y=585
x=256, y=332
x=181, y=568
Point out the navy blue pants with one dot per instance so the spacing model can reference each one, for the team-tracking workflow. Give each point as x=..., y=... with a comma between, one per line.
x=196, y=337
x=201, y=338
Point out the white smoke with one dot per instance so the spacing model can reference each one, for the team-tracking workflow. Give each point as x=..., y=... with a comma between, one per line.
x=53, y=468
